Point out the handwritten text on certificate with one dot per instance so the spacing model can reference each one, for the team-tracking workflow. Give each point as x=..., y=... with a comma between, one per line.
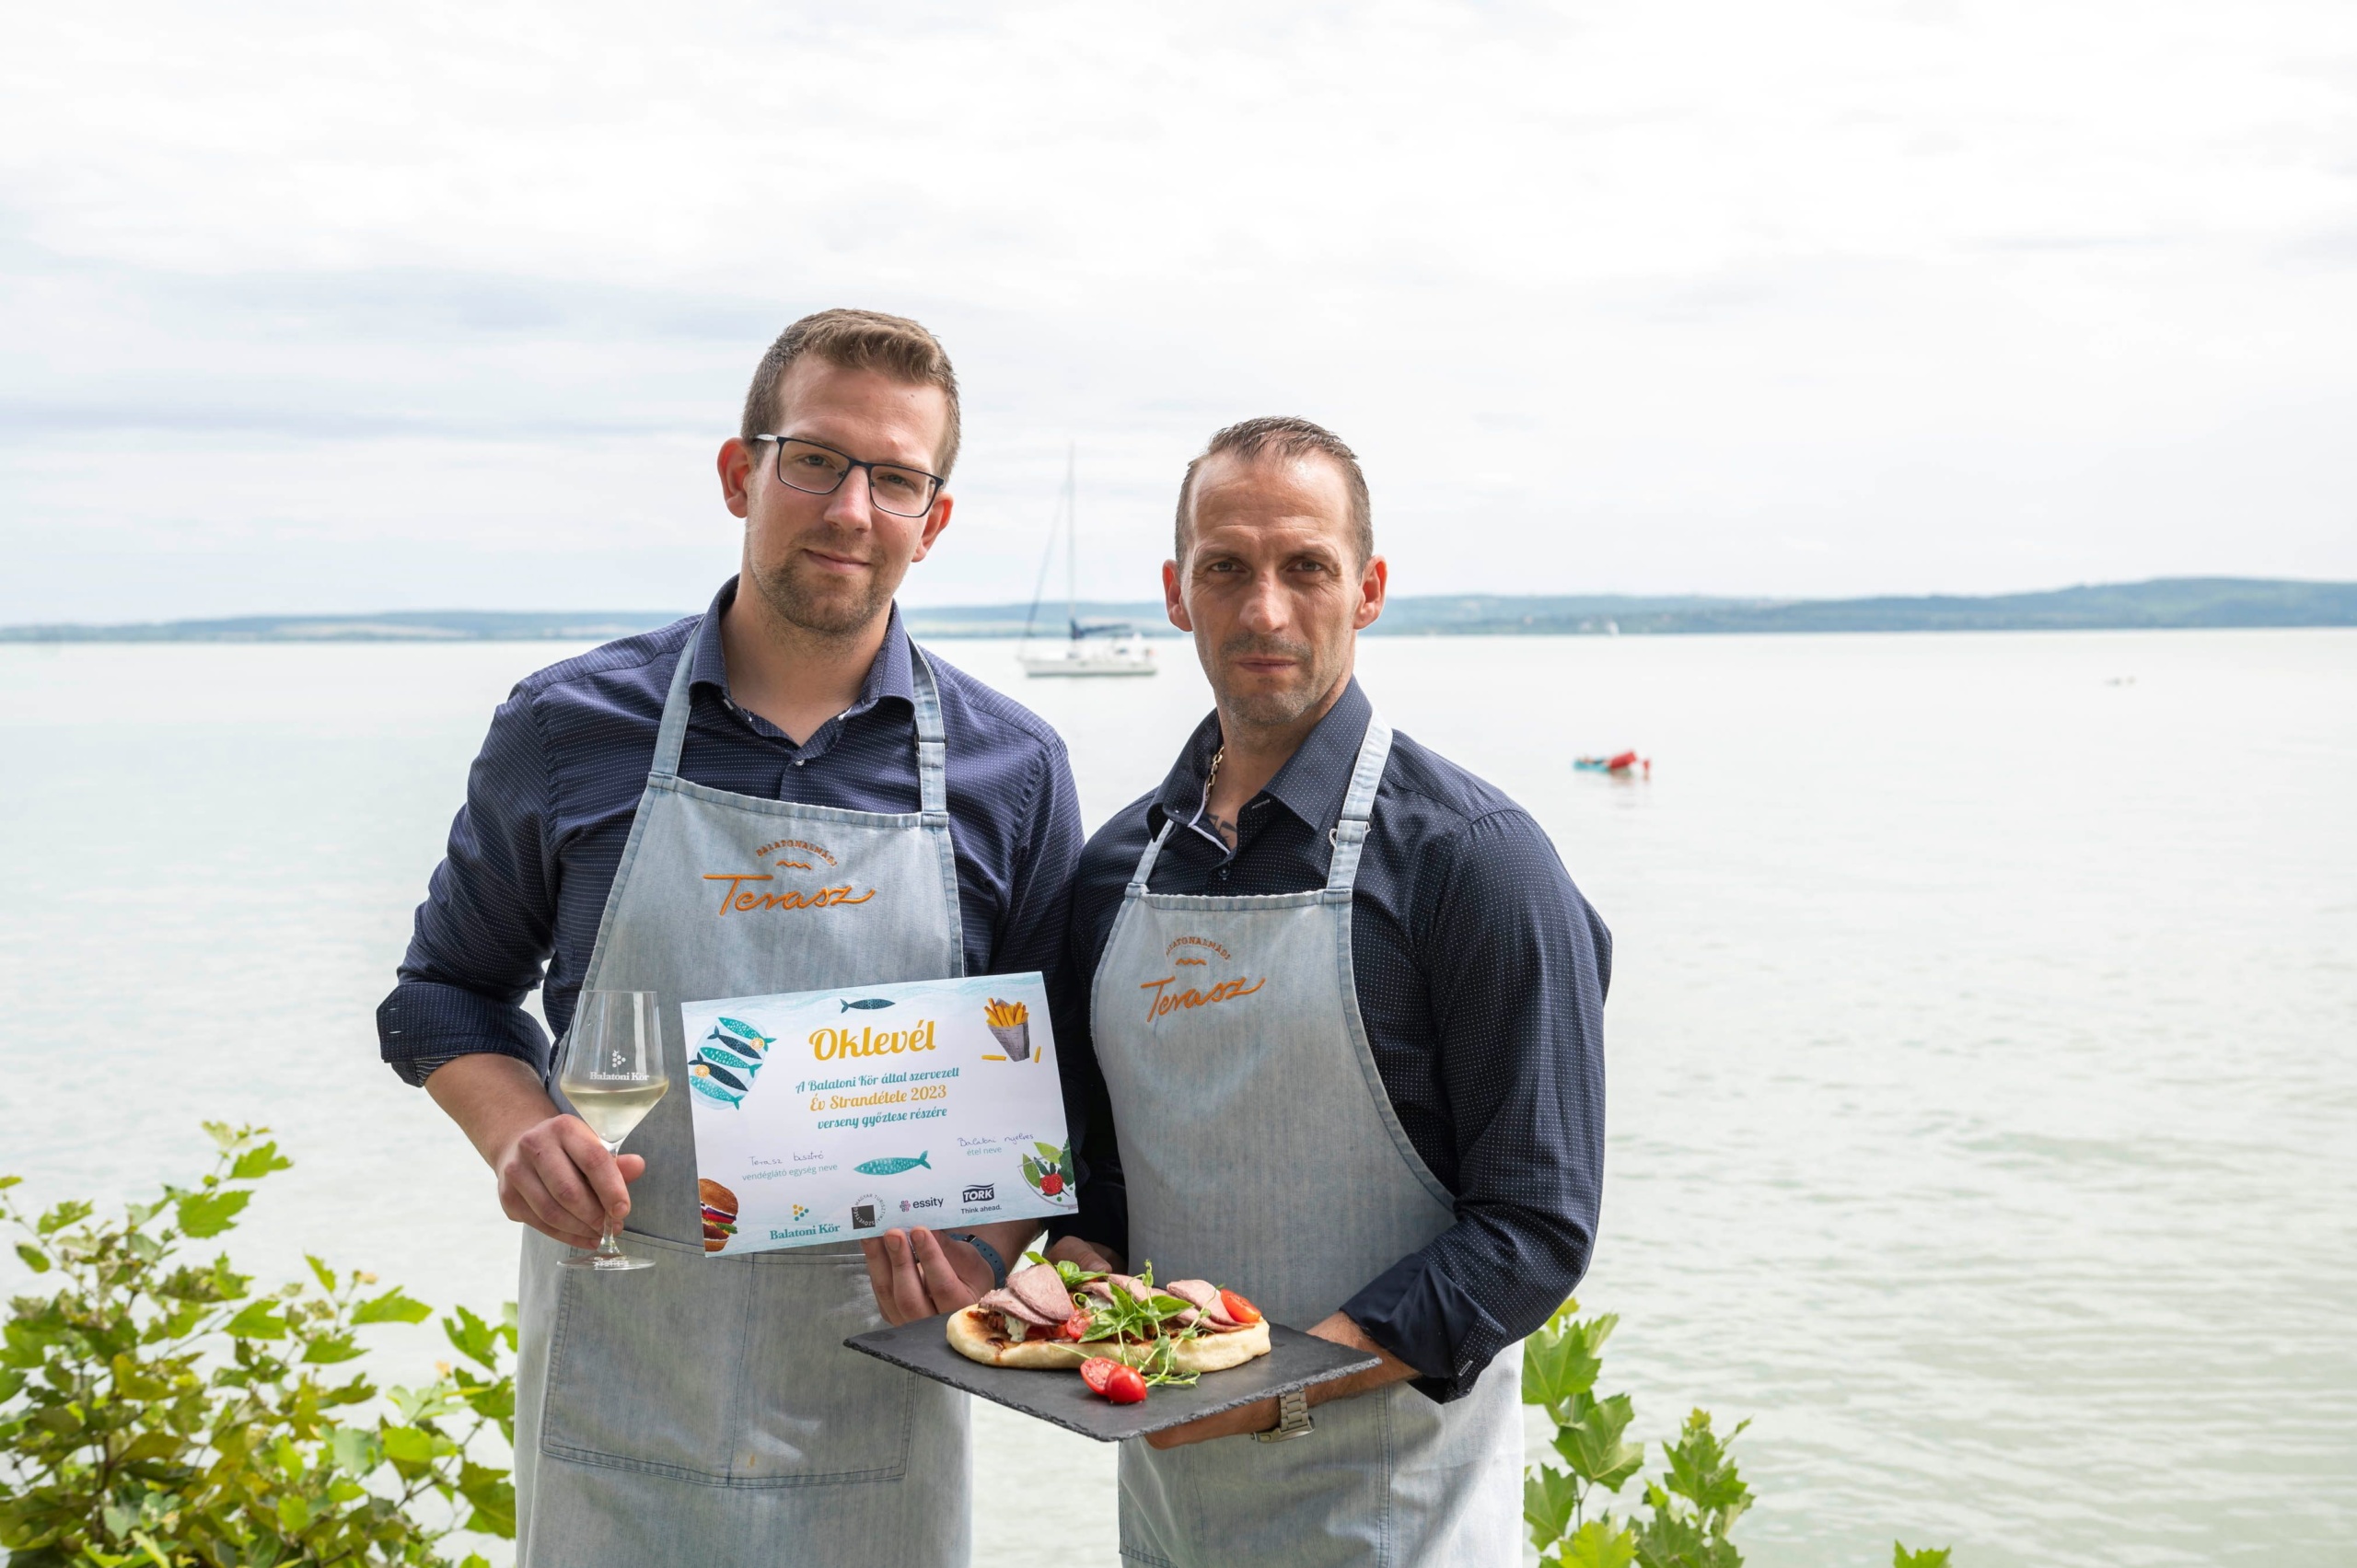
x=824, y=1116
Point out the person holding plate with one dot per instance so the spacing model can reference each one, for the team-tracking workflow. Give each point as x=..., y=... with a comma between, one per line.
x=781, y=795
x=1344, y=1052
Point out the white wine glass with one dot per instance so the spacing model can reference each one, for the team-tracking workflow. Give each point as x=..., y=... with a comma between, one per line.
x=613, y=1074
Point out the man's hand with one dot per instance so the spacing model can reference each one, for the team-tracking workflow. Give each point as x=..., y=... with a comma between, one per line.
x=1263, y=1416
x=918, y=1273
x=553, y=1173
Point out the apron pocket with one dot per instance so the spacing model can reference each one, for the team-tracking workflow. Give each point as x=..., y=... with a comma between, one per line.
x=729, y=1372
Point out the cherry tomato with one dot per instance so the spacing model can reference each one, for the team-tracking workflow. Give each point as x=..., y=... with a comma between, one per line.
x=1236, y=1306
x=1124, y=1385
x=1076, y=1326
x=1096, y=1371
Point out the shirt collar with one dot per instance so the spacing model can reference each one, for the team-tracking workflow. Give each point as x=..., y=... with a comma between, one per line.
x=889, y=676
x=1312, y=785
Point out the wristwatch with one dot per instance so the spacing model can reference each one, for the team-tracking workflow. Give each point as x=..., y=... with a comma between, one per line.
x=989, y=1255
x=1292, y=1417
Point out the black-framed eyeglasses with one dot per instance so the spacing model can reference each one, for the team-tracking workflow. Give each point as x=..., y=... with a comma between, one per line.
x=820, y=470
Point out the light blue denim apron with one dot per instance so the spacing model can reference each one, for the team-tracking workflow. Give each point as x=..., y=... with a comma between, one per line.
x=705, y=1411
x=1262, y=1153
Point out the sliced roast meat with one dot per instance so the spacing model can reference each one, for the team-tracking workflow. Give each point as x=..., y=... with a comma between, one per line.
x=1101, y=1289
x=1205, y=1294
x=1012, y=1306
x=1139, y=1290
x=1041, y=1289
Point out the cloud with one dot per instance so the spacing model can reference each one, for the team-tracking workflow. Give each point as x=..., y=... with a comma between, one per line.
x=1699, y=276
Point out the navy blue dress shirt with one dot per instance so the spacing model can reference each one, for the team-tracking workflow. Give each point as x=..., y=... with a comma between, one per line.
x=552, y=797
x=1480, y=974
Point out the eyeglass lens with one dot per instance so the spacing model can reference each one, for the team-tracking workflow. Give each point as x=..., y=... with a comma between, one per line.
x=818, y=470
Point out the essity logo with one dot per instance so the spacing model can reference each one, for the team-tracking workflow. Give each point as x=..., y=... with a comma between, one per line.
x=908, y=1203
x=786, y=862
x=1195, y=952
x=982, y=1192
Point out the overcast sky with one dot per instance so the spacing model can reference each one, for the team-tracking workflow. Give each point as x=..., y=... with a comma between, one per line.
x=450, y=305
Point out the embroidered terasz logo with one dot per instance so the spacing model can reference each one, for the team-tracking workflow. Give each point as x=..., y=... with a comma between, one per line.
x=1194, y=952
x=740, y=896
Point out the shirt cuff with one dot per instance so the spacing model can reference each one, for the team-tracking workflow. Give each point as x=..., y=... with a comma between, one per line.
x=1419, y=1314
x=424, y=1024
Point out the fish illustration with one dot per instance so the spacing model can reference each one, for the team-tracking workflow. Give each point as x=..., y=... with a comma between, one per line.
x=866, y=1004
x=894, y=1166
x=718, y=1057
x=747, y=1037
x=713, y=1091
x=700, y=1070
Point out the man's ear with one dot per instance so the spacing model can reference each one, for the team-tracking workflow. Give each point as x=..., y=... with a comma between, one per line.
x=737, y=475
x=934, y=521
x=1373, y=584
x=1173, y=600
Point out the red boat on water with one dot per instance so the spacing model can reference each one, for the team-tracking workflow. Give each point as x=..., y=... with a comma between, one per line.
x=1624, y=762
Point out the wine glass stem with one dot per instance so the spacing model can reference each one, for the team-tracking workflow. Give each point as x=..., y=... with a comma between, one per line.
x=608, y=1244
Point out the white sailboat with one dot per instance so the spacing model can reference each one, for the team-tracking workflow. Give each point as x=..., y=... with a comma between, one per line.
x=1101, y=647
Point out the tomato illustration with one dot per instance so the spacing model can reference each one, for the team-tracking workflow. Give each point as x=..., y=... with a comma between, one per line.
x=1053, y=1183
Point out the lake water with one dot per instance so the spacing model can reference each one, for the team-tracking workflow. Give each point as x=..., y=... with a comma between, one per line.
x=1984, y=1035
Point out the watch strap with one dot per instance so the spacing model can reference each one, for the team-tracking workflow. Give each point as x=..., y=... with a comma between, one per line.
x=989, y=1255
x=1292, y=1417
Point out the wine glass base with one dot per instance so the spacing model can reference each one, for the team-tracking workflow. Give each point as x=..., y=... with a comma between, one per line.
x=621, y=1263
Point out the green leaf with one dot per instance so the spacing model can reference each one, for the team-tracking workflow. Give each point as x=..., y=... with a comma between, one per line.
x=255, y=1163
x=1702, y=1472
x=494, y=1497
x=391, y=1307
x=210, y=1214
x=1929, y=1558
x=35, y=1258
x=259, y=1320
x=294, y=1510
x=1591, y=1442
x=408, y=1444
x=1565, y=1359
x=356, y=1450
x=58, y=1218
x=330, y=1350
x=1547, y=1497
x=322, y=1273
x=474, y=1338
x=1601, y=1544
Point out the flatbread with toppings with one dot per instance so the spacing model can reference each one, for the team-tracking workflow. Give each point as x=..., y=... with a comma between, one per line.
x=1052, y=1316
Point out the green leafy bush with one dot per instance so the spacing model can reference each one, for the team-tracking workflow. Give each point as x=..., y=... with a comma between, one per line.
x=156, y=1410
x=1687, y=1512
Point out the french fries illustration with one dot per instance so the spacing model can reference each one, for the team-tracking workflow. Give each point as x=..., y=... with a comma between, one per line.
x=1010, y=1023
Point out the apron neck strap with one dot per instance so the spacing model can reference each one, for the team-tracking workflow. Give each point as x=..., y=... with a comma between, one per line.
x=933, y=744
x=673, y=735
x=1136, y=889
x=933, y=749
x=1358, y=808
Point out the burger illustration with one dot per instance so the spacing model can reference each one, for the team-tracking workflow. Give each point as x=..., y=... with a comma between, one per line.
x=719, y=1214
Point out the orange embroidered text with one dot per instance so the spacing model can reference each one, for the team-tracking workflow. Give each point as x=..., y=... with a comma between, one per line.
x=1164, y=1001
x=737, y=898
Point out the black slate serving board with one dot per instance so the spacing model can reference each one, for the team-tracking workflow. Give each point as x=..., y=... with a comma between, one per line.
x=1295, y=1360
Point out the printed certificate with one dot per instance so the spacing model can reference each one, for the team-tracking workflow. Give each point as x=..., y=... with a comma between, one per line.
x=825, y=1116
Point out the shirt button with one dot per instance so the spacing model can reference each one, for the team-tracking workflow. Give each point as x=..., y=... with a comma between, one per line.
x=799, y=761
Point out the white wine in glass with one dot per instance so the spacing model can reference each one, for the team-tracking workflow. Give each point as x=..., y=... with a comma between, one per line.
x=613, y=1074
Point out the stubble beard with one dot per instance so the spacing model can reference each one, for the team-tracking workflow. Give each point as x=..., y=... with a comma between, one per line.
x=1281, y=709
x=839, y=615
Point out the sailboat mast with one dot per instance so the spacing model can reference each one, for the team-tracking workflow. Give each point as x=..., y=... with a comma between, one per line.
x=1071, y=540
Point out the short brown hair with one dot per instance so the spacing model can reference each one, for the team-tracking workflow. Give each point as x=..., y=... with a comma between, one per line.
x=1284, y=437
x=856, y=340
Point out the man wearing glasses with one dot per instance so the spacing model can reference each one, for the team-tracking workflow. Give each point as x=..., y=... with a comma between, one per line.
x=1347, y=1023
x=705, y=1411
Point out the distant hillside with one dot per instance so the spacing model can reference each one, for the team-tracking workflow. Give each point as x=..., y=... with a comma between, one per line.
x=2168, y=602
